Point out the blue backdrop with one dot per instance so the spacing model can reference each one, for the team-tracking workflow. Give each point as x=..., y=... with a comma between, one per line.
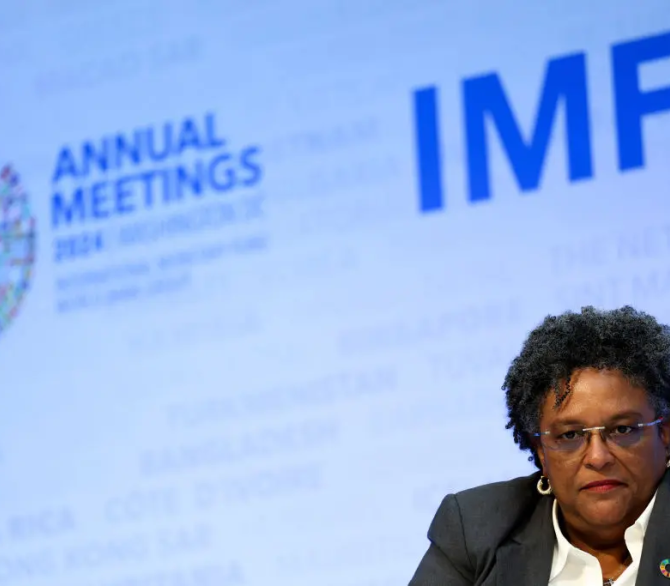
x=263, y=266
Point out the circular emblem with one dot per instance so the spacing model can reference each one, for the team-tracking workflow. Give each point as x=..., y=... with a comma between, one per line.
x=665, y=568
x=17, y=245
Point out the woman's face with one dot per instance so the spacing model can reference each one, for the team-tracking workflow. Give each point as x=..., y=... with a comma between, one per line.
x=603, y=398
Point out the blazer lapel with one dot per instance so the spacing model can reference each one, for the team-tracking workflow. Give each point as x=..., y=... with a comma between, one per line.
x=656, y=547
x=525, y=559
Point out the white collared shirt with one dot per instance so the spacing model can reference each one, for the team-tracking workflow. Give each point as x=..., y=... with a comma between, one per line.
x=574, y=567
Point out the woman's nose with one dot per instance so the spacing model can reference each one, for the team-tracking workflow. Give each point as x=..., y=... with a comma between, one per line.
x=598, y=453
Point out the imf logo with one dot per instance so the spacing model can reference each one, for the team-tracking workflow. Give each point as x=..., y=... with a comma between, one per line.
x=17, y=245
x=487, y=108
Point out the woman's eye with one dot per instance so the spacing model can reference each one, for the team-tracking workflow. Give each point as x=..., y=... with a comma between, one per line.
x=623, y=429
x=568, y=435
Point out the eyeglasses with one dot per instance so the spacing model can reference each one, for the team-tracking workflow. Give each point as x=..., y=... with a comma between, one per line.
x=622, y=436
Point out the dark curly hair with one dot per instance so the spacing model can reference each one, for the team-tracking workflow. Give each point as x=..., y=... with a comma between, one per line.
x=624, y=339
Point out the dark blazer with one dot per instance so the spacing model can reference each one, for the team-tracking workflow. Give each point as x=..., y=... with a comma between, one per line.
x=501, y=534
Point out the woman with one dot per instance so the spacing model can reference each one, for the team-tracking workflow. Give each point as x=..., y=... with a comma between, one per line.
x=589, y=397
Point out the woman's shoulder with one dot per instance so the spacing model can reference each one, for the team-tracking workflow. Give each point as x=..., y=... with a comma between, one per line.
x=496, y=495
x=470, y=526
x=480, y=518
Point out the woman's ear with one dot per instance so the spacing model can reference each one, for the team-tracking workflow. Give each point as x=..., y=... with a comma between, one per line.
x=539, y=452
x=664, y=430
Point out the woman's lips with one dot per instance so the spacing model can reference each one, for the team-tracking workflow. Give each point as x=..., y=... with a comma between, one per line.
x=603, y=485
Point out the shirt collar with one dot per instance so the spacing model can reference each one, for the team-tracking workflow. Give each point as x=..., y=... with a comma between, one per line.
x=634, y=537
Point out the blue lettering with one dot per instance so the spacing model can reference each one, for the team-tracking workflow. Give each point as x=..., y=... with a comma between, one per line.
x=565, y=78
x=99, y=200
x=65, y=165
x=126, y=150
x=212, y=140
x=148, y=178
x=167, y=143
x=74, y=247
x=188, y=136
x=64, y=212
x=92, y=158
x=631, y=104
x=227, y=174
x=429, y=159
x=123, y=193
x=248, y=163
x=193, y=182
